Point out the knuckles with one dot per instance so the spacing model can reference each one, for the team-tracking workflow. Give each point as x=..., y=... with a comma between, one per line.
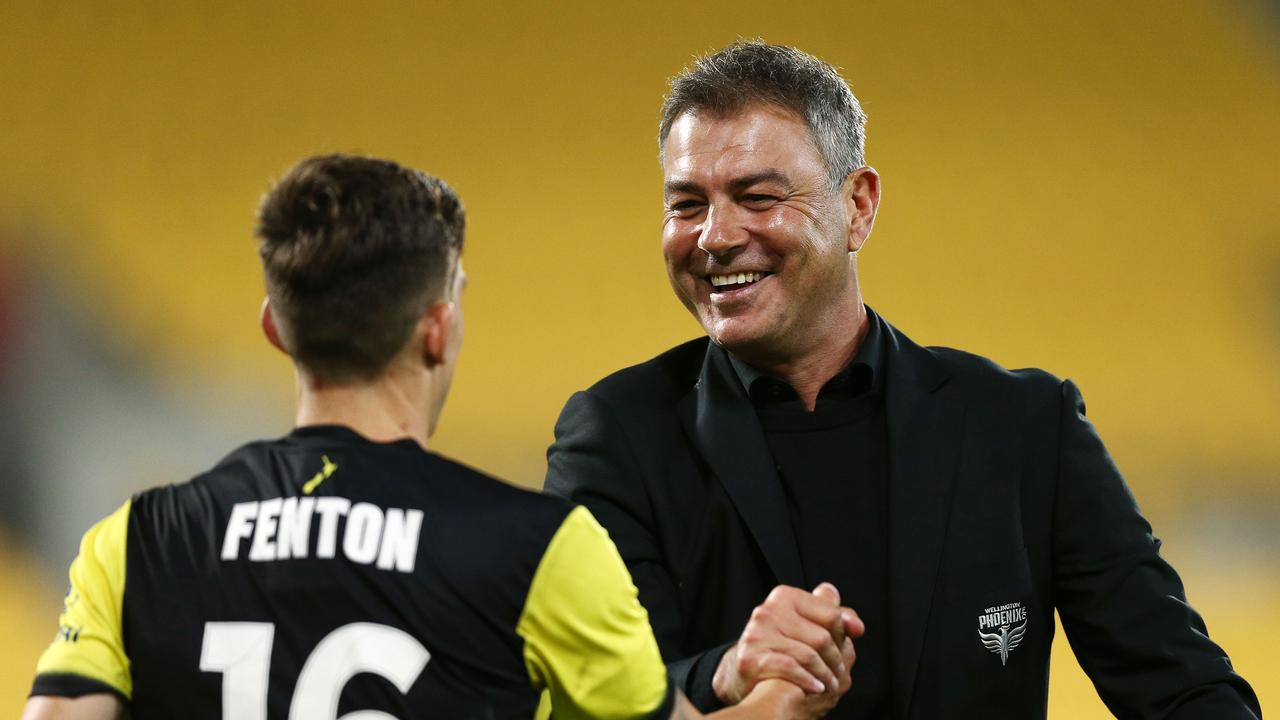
x=777, y=663
x=762, y=614
x=779, y=594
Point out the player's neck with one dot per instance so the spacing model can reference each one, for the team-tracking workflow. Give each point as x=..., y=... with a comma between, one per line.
x=390, y=408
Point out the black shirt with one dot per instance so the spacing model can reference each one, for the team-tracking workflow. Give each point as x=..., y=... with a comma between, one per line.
x=834, y=470
x=323, y=573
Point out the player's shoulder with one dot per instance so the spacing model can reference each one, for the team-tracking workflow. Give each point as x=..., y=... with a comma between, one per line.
x=498, y=532
x=235, y=475
x=477, y=493
x=662, y=378
x=412, y=476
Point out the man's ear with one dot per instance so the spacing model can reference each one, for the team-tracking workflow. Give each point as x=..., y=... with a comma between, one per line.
x=268, y=321
x=862, y=194
x=436, y=325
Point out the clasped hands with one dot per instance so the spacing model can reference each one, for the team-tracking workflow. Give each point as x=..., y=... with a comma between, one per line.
x=794, y=640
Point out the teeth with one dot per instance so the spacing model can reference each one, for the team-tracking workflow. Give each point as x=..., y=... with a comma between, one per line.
x=735, y=278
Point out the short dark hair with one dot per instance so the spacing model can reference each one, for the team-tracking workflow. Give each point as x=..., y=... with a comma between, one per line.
x=753, y=71
x=354, y=249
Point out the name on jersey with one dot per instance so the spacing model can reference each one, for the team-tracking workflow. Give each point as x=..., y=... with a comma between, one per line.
x=283, y=528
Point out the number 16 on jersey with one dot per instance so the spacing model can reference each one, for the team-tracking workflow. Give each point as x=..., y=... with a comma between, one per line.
x=241, y=651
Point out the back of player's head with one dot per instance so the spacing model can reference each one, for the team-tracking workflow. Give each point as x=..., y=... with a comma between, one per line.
x=752, y=71
x=354, y=250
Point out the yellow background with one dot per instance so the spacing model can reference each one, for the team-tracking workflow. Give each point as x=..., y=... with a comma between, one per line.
x=1087, y=187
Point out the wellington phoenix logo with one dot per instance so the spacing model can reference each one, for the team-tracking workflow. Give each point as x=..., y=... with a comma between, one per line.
x=1006, y=635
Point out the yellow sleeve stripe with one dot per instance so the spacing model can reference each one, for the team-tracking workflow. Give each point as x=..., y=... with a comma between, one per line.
x=587, y=638
x=90, y=642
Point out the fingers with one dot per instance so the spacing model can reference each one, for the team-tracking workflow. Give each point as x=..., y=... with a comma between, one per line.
x=800, y=637
x=853, y=625
x=825, y=649
x=849, y=626
x=820, y=610
x=798, y=664
x=849, y=655
x=808, y=627
x=838, y=629
x=799, y=645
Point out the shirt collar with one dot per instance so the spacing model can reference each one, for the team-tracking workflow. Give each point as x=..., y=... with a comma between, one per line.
x=870, y=355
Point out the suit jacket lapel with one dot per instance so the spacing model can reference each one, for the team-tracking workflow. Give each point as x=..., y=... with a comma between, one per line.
x=726, y=432
x=925, y=430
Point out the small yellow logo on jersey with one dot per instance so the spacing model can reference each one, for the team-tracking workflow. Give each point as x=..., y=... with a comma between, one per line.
x=329, y=468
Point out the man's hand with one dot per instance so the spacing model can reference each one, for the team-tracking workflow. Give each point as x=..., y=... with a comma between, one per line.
x=803, y=638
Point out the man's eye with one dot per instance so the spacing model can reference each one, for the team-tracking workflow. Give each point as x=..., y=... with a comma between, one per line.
x=756, y=200
x=685, y=207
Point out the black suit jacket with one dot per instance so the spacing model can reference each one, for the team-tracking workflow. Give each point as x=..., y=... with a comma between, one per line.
x=1001, y=496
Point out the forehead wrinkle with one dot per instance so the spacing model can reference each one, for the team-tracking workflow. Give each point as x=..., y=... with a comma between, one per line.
x=732, y=153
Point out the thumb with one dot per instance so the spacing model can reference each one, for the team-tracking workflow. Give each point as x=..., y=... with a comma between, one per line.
x=827, y=591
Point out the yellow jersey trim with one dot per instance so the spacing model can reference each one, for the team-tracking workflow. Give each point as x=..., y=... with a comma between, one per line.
x=90, y=640
x=587, y=638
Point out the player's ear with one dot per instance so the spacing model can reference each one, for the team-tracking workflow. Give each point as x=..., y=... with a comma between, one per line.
x=268, y=321
x=436, y=326
x=861, y=192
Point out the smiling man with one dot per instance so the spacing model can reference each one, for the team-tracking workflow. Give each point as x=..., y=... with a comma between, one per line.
x=954, y=504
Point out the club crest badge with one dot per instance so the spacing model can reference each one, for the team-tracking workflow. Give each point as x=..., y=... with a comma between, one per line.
x=1004, y=626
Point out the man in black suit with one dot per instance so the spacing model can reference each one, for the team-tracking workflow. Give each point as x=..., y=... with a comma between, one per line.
x=954, y=504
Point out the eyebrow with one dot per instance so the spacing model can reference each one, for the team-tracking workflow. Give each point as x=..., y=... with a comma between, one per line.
x=673, y=187
x=770, y=175
x=735, y=185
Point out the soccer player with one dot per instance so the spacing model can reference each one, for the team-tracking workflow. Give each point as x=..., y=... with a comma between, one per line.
x=344, y=570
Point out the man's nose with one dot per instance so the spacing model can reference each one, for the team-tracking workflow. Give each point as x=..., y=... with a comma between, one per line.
x=721, y=232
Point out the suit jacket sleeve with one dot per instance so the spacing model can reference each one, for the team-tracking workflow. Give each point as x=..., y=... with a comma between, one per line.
x=594, y=463
x=1122, y=606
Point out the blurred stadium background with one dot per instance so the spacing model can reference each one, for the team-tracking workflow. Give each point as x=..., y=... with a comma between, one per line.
x=1088, y=187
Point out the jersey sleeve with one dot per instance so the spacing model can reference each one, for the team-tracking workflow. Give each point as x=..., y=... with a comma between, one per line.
x=87, y=655
x=587, y=638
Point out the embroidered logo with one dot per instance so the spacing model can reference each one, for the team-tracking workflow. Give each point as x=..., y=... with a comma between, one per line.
x=1007, y=635
x=329, y=468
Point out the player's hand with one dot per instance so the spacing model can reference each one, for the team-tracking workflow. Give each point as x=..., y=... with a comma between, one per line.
x=794, y=636
x=773, y=699
x=776, y=700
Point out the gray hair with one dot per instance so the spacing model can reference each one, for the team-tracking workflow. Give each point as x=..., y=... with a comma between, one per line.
x=753, y=71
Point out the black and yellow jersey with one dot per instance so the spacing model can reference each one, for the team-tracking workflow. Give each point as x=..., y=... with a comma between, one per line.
x=324, y=574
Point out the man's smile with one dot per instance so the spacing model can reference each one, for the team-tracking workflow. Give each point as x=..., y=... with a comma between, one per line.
x=728, y=285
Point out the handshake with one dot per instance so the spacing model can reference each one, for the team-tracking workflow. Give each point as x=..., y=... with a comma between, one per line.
x=794, y=656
